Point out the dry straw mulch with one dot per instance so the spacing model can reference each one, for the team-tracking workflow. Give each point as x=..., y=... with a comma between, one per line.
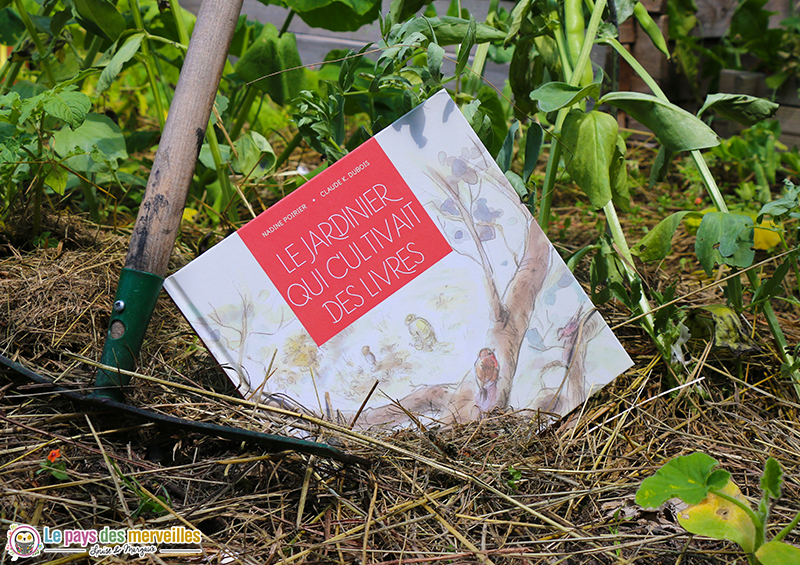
x=511, y=488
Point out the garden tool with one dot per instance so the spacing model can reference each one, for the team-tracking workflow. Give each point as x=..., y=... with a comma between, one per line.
x=157, y=226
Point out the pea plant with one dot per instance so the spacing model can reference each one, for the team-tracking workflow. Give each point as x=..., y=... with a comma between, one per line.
x=716, y=507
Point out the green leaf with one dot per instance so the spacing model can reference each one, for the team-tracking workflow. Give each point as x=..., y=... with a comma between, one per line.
x=618, y=177
x=589, y=142
x=57, y=178
x=677, y=129
x=253, y=148
x=724, y=238
x=533, y=146
x=517, y=183
x=465, y=47
x=70, y=107
x=335, y=15
x=122, y=56
x=782, y=205
x=435, y=56
x=99, y=17
x=401, y=10
x=740, y=108
x=772, y=479
x=553, y=96
x=97, y=131
x=772, y=286
x=206, y=158
x=507, y=149
x=682, y=477
x=518, y=16
x=11, y=26
x=493, y=108
x=660, y=166
x=274, y=64
x=778, y=553
x=718, y=518
x=657, y=243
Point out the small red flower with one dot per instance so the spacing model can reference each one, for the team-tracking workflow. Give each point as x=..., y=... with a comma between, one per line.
x=55, y=454
x=698, y=201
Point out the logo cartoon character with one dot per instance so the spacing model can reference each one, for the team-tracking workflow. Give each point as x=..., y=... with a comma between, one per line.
x=23, y=541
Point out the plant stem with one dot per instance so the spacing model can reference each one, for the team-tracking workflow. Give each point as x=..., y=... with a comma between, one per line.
x=782, y=534
x=177, y=14
x=286, y=23
x=555, y=146
x=91, y=53
x=759, y=525
x=478, y=64
x=148, y=64
x=244, y=109
x=287, y=151
x=627, y=261
x=26, y=20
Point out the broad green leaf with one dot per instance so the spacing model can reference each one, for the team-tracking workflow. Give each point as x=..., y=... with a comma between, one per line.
x=778, y=553
x=401, y=10
x=772, y=479
x=435, y=56
x=253, y=148
x=677, y=129
x=728, y=330
x=100, y=17
x=660, y=166
x=589, y=142
x=657, y=243
x=56, y=178
x=335, y=15
x=70, y=107
x=465, y=47
x=682, y=477
x=782, y=205
x=493, y=108
x=206, y=158
x=724, y=238
x=718, y=518
x=11, y=26
x=553, y=96
x=122, y=56
x=518, y=15
x=451, y=31
x=507, y=149
x=97, y=131
x=533, y=145
x=624, y=9
x=274, y=64
x=740, y=108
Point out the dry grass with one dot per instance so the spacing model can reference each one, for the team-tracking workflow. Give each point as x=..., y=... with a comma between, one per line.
x=495, y=491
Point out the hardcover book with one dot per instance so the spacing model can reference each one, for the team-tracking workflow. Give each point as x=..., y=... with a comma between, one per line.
x=410, y=263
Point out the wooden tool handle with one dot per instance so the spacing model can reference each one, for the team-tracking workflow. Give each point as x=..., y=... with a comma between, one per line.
x=165, y=197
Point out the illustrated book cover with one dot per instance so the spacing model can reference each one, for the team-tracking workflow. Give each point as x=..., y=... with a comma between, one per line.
x=412, y=263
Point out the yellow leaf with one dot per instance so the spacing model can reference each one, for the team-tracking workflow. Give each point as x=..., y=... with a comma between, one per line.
x=189, y=214
x=717, y=518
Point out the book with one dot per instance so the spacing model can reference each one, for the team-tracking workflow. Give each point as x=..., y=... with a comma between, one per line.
x=410, y=263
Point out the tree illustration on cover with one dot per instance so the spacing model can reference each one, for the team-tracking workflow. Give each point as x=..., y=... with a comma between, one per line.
x=477, y=232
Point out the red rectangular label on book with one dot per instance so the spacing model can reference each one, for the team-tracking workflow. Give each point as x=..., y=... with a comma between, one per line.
x=345, y=241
